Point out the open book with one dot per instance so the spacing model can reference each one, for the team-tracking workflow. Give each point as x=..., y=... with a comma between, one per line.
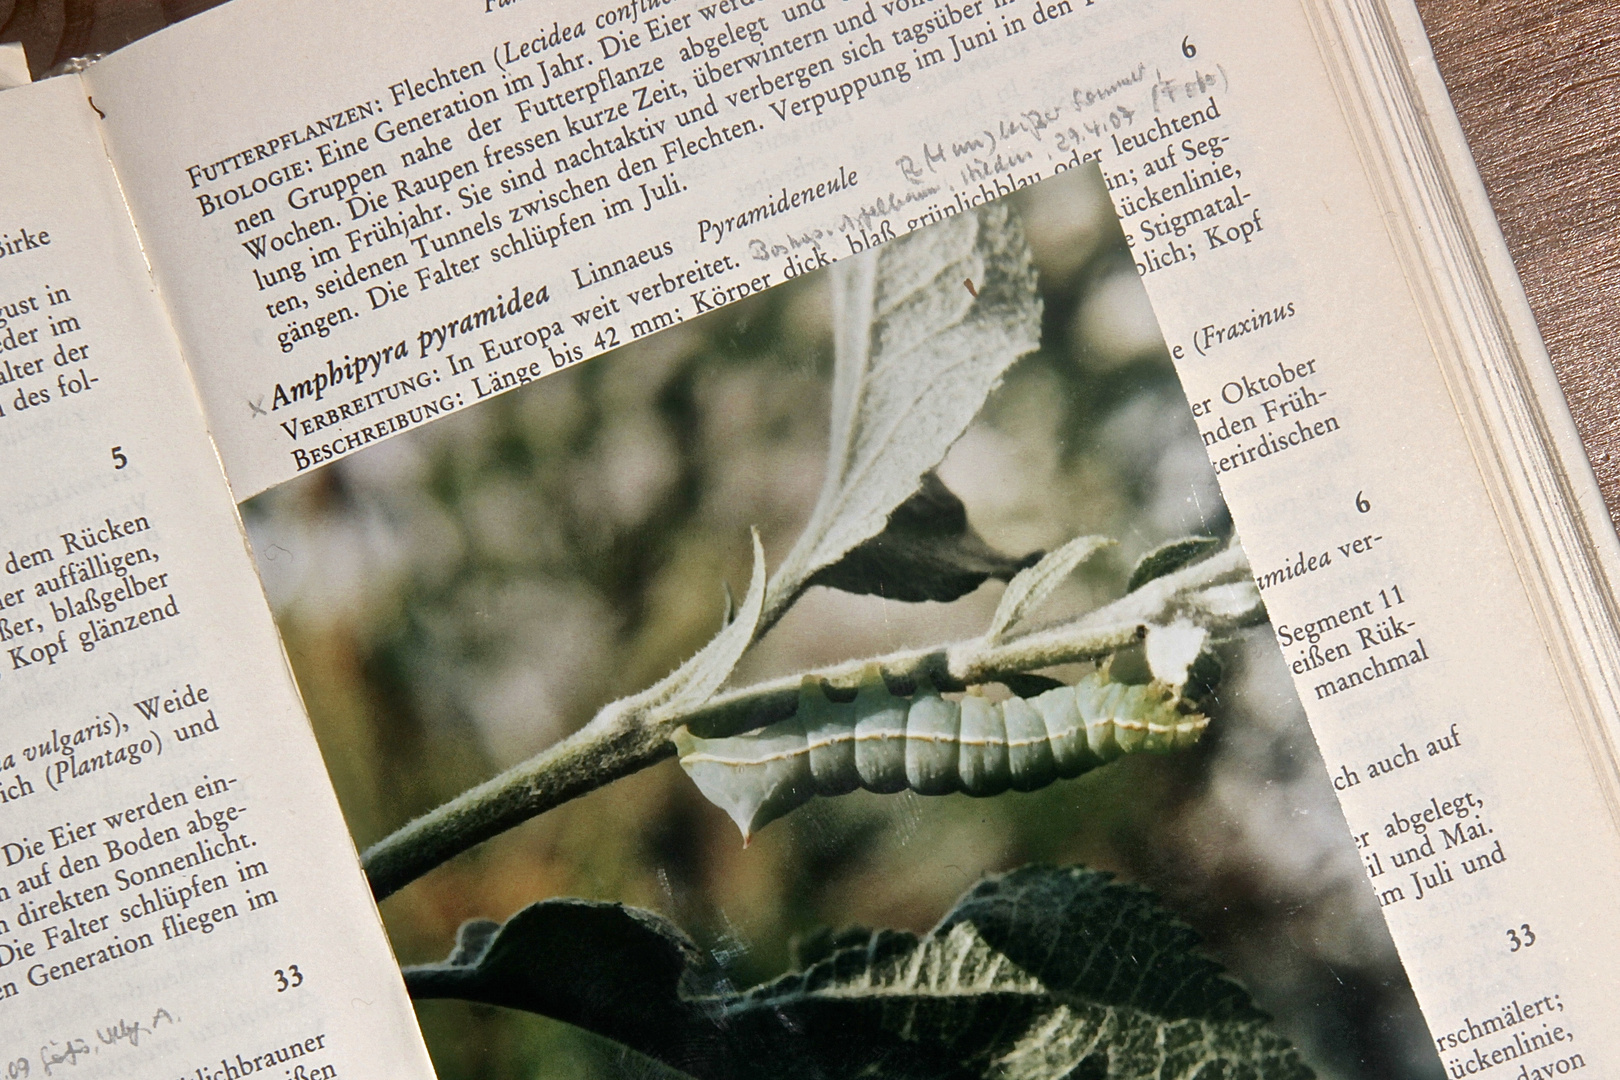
x=263, y=249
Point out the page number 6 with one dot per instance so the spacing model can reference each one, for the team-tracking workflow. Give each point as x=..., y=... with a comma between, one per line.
x=288, y=978
x=1188, y=49
x=1522, y=938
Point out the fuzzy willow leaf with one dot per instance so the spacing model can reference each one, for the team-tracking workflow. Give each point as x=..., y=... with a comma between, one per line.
x=1168, y=558
x=1231, y=603
x=1039, y=974
x=927, y=551
x=1029, y=590
x=917, y=354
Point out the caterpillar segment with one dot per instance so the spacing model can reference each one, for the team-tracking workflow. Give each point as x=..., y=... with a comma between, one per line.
x=885, y=744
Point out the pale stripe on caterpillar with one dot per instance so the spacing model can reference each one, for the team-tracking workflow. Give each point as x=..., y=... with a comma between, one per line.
x=932, y=746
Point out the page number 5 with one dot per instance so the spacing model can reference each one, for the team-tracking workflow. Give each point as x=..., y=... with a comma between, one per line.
x=1522, y=938
x=119, y=460
x=288, y=978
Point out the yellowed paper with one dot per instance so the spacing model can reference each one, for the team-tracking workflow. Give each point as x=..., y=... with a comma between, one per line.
x=178, y=894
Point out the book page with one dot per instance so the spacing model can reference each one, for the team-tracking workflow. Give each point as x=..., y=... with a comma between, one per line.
x=13, y=66
x=177, y=895
x=494, y=193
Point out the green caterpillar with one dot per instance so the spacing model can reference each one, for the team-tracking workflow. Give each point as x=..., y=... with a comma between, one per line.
x=932, y=746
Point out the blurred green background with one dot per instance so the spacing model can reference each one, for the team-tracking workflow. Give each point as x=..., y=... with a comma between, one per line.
x=460, y=597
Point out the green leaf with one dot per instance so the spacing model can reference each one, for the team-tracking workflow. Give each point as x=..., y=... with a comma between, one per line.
x=917, y=352
x=1039, y=974
x=927, y=551
x=1030, y=589
x=1168, y=558
x=695, y=681
x=607, y=968
x=823, y=942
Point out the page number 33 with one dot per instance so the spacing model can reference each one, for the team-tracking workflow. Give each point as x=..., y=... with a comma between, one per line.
x=288, y=978
x=1522, y=938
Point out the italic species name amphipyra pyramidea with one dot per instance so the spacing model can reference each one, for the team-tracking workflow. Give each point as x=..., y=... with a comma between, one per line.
x=930, y=745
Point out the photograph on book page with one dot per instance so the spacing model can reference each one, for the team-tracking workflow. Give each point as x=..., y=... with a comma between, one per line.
x=863, y=678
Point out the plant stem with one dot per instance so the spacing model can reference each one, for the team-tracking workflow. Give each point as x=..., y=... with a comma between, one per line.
x=622, y=740
x=609, y=747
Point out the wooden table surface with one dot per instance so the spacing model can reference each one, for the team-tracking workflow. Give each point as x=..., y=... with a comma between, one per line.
x=1536, y=84
x=1537, y=87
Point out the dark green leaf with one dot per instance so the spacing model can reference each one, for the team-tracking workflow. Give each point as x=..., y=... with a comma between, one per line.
x=607, y=968
x=927, y=551
x=1168, y=558
x=820, y=944
x=1040, y=974
x=1031, y=975
x=473, y=941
